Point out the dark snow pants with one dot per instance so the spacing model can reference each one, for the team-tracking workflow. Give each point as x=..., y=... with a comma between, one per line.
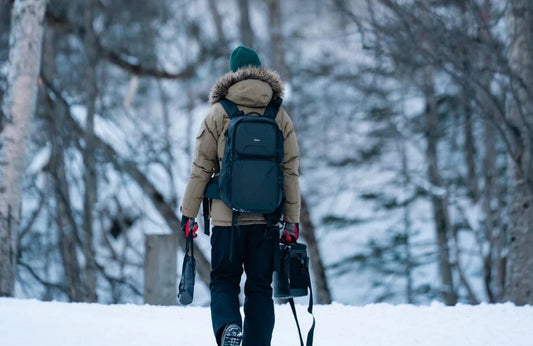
x=253, y=250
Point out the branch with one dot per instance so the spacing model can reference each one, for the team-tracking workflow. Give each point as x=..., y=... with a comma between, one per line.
x=128, y=63
x=43, y=282
x=129, y=167
x=448, y=63
x=27, y=228
x=353, y=17
x=112, y=280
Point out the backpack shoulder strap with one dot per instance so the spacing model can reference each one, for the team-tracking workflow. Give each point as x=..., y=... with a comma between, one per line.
x=273, y=107
x=231, y=108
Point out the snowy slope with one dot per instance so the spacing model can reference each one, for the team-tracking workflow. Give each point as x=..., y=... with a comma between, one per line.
x=31, y=322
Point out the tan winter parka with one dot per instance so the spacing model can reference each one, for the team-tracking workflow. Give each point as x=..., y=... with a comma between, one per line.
x=251, y=89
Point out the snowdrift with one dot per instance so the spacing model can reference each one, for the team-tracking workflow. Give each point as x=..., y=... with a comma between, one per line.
x=36, y=323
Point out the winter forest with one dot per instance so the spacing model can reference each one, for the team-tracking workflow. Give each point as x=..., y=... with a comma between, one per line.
x=414, y=120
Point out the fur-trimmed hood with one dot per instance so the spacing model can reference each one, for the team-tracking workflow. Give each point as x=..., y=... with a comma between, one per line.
x=222, y=85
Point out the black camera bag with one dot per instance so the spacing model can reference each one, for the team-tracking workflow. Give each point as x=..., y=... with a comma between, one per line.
x=291, y=279
x=188, y=272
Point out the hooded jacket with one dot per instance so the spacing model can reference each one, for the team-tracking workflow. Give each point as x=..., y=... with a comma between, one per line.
x=251, y=89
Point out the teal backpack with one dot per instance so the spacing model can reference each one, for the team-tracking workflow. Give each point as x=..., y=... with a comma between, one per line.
x=250, y=180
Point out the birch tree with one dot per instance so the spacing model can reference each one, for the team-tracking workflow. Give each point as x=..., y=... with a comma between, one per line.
x=18, y=107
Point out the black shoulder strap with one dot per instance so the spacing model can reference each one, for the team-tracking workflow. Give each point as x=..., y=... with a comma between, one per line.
x=231, y=108
x=273, y=107
x=293, y=308
x=206, y=205
x=311, y=332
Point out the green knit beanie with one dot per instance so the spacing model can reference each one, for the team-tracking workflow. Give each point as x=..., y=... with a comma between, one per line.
x=243, y=57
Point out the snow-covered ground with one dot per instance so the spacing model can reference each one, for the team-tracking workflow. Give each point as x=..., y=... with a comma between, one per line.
x=32, y=322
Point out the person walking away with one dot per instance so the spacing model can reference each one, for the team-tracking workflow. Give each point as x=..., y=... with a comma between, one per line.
x=249, y=244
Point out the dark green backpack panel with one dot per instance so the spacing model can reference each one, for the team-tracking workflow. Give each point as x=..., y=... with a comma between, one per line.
x=251, y=177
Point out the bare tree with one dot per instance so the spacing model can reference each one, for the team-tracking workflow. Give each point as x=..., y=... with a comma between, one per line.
x=277, y=45
x=519, y=282
x=492, y=198
x=217, y=18
x=457, y=42
x=89, y=155
x=67, y=228
x=130, y=168
x=245, y=28
x=18, y=108
x=506, y=107
x=279, y=63
x=437, y=191
x=323, y=295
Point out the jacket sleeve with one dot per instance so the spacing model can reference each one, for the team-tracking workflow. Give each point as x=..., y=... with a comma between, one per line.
x=204, y=162
x=291, y=166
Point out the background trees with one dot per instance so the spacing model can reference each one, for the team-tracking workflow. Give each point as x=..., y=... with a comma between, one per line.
x=412, y=118
x=457, y=55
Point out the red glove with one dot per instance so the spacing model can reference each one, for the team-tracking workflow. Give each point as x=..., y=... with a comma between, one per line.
x=290, y=233
x=188, y=225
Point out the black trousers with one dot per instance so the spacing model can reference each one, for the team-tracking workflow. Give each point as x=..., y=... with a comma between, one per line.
x=253, y=250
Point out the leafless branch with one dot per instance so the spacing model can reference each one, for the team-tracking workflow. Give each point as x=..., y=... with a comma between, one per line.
x=124, y=165
x=128, y=63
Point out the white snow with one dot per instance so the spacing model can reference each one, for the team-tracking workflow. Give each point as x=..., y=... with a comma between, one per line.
x=32, y=322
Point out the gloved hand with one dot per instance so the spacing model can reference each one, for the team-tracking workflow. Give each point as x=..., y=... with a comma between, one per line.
x=188, y=225
x=290, y=233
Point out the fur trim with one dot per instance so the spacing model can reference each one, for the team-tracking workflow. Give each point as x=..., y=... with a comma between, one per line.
x=221, y=86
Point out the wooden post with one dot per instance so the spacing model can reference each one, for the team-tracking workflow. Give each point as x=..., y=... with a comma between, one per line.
x=160, y=269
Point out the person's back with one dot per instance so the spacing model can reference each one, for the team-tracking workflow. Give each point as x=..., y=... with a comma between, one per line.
x=250, y=87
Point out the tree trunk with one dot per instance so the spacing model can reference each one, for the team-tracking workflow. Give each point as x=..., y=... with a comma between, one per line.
x=407, y=224
x=5, y=15
x=18, y=108
x=519, y=281
x=88, y=156
x=245, y=28
x=66, y=225
x=277, y=49
x=168, y=157
x=466, y=100
x=470, y=148
x=323, y=296
x=493, y=195
x=438, y=198
x=217, y=19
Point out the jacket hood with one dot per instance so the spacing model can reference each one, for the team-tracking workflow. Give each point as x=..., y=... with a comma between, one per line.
x=222, y=85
